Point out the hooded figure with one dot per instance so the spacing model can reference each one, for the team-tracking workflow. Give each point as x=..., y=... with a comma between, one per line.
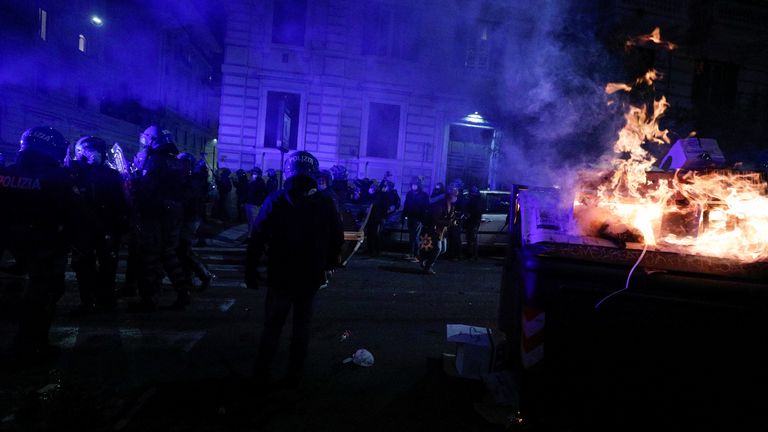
x=414, y=209
x=301, y=233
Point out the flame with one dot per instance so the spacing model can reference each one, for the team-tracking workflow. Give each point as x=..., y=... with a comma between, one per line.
x=654, y=36
x=649, y=77
x=611, y=88
x=713, y=213
x=736, y=209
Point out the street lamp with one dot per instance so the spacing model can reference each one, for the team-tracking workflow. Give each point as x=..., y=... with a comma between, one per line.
x=97, y=21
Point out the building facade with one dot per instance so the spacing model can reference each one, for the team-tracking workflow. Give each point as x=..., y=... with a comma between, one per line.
x=373, y=86
x=107, y=68
x=716, y=80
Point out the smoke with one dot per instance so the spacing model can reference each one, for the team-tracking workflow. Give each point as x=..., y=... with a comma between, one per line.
x=555, y=70
x=142, y=59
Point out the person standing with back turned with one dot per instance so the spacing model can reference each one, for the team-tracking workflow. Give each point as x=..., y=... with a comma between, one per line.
x=301, y=232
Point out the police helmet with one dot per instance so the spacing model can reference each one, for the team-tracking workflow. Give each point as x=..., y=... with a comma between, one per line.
x=300, y=163
x=325, y=175
x=339, y=172
x=44, y=142
x=155, y=137
x=93, y=143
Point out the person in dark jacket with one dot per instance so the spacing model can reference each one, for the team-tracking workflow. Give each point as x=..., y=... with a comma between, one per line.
x=301, y=233
x=193, y=200
x=160, y=198
x=272, y=182
x=439, y=189
x=224, y=186
x=340, y=183
x=385, y=200
x=453, y=235
x=439, y=216
x=416, y=203
x=257, y=193
x=101, y=224
x=241, y=190
x=473, y=211
x=38, y=200
x=324, y=186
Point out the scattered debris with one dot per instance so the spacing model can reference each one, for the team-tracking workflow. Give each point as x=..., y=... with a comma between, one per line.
x=361, y=357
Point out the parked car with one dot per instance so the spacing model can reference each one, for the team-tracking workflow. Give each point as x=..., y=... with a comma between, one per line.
x=493, y=225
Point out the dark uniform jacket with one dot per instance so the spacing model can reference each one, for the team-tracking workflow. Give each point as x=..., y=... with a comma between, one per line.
x=38, y=200
x=104, y=208
x=416, y=203
x=302, y=234
x=164, y=180
x=257, y=192
x=474, y=209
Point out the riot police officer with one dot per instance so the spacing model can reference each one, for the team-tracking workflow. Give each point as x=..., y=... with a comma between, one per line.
x=302, y=234
x=37, y=199
x=101, y=223
x=193, y=216
x=159, y=196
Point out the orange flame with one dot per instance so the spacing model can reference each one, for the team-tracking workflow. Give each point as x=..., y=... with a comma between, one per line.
x=648, y=78
x=655, y=37
x=714, y=213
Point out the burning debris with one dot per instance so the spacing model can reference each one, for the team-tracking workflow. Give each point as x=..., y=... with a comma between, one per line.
x=690, y=203
x=654, y=37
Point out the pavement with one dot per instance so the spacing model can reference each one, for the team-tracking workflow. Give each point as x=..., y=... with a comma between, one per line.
x=188, y=370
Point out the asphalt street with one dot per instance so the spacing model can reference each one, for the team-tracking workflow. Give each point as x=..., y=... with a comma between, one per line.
x=187, y=370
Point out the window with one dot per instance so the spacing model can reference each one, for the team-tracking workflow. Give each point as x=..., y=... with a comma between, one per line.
x=282, y=122
x=383, y=130
x=289, y=22
x=477, y=46
x=43, y=20
x=390, y=31
x=81, y=43
x=478, y=49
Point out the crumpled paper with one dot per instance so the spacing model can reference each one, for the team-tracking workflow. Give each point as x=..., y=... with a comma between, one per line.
x=361, y=357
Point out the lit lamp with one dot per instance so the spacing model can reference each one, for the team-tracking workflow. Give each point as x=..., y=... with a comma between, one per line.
x=97, y=21
x=475, y=120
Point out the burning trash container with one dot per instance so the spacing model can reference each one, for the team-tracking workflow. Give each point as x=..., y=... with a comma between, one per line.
x=681, y=344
